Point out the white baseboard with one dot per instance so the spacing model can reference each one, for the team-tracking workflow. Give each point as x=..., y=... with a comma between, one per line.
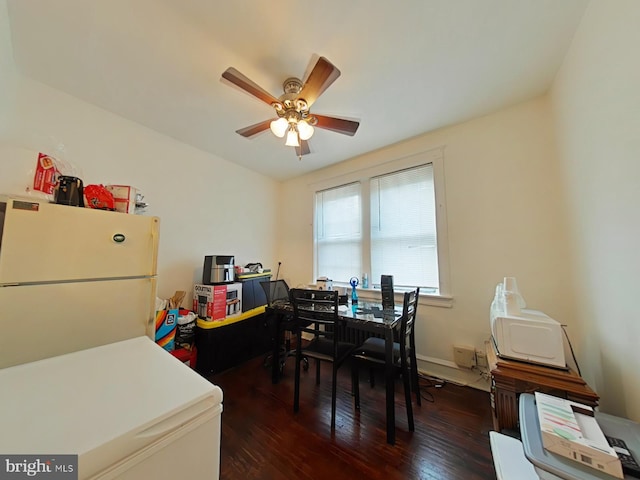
x=449, y=371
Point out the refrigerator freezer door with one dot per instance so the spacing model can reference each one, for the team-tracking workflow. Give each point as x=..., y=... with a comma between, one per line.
x=192, y=454
x=44, y=242
x=117, y=406
x=40, y=321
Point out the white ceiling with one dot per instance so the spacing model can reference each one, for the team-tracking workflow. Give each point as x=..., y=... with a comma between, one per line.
x=408, y=66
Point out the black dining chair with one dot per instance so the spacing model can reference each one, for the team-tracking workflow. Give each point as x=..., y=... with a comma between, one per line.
x=372, y=353
x=315, y=312
x=277, y=293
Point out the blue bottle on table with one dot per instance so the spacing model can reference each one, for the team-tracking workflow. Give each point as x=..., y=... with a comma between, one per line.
x=354, y=296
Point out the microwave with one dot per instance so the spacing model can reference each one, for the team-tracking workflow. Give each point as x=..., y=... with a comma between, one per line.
x=529, y=336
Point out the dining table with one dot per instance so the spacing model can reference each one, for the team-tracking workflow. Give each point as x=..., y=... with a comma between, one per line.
x=369, y=318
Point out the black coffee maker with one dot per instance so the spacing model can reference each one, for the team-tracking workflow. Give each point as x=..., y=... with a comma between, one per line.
x=69, y=191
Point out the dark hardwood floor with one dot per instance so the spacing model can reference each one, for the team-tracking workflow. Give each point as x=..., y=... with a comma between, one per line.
x=262, y=438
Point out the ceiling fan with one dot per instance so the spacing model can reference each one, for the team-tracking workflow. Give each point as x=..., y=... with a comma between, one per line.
x=292, y=108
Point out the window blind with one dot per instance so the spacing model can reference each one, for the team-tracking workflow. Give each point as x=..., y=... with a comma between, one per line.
x=338, y=232
x=403, y=227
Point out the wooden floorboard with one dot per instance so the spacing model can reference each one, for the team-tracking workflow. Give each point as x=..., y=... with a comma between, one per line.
x=262, y=438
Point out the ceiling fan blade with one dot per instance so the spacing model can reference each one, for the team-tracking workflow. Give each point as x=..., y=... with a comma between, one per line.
x=303, y=149
x=323, y=74
x=338, y=125
x=236, y=78
x=252, y=130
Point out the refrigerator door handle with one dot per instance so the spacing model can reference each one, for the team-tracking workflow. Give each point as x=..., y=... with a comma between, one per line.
x=179, y=419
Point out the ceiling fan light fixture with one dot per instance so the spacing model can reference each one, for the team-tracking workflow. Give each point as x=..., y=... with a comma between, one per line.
x=305, y=130
x=293, y=116
x=279, y=127
x=292, y=137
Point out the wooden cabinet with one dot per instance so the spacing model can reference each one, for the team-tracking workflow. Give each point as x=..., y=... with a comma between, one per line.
x=510, y=378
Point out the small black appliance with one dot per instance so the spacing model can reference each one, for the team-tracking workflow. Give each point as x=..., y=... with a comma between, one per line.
x=69, y=191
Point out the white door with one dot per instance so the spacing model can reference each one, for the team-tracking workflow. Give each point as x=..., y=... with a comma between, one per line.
x=41, y=321
x=44, y=242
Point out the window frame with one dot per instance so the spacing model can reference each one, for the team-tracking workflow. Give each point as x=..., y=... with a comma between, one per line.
x=433, y=156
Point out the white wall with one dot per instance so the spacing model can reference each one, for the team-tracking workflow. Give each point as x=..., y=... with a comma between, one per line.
x=504, y=219
x=206, y=205
x=596, y=99
x=7, y=68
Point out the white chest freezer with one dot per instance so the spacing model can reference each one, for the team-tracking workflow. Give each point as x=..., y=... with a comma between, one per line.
x=129, y=410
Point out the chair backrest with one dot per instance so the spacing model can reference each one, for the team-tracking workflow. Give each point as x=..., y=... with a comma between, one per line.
x=276, y=291
x=315, y=311
x=386, y=286
x=407, y=325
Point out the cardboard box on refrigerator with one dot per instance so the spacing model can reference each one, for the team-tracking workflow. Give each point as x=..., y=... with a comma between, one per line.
x=571, y=430
x=124, y=197
x=217, y=302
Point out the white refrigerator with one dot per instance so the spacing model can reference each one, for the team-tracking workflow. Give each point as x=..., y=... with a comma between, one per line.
x=129, y=410
x=79, y=371
x=73, y=278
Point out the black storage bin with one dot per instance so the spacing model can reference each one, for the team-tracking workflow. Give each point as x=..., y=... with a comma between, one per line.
x=229, y=345
x=253, y=295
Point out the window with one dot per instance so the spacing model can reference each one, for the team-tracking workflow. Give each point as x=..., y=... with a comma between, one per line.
x=386, y=222
x=403, y=227
x=339, y=232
